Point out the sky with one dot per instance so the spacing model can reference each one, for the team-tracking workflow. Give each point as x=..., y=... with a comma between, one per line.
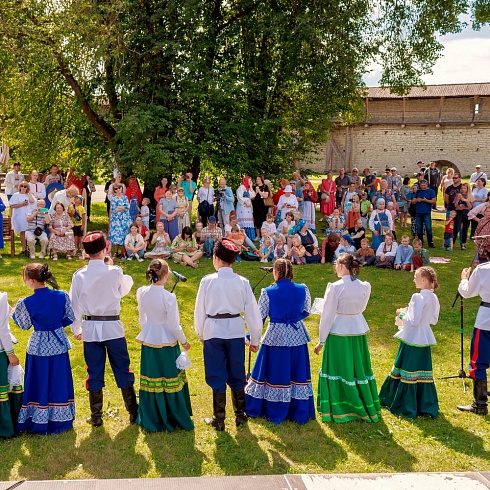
x=465, y=59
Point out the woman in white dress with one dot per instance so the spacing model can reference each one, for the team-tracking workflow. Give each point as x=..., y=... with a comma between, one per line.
x=20, y=205
x=244, y=209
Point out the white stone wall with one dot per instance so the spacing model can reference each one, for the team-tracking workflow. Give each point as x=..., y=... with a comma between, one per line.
x=377, y=146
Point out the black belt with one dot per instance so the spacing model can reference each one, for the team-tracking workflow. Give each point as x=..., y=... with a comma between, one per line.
x=224, y=315
x=101, y=318
x=485, y=304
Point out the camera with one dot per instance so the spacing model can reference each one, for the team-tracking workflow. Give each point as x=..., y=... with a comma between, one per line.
x=218, y=194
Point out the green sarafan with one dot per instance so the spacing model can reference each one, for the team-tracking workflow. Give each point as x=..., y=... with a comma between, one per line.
x=239, y=86
x=453, y=442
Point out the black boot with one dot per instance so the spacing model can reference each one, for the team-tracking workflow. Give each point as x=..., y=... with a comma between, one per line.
x=238, y=398
x=129, y=397
x=479, y=405
x=219, y=412
x=96, y=399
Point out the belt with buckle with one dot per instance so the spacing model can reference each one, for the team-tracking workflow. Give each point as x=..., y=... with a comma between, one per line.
x=110, y=318
x=224, y=315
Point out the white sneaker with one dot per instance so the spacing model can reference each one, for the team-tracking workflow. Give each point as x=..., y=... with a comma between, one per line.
x=32, y=256
x=139, y=258
x=41, y=255
x=130, y=258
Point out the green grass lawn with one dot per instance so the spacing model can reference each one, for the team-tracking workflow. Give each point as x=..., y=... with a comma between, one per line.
x=453, y=442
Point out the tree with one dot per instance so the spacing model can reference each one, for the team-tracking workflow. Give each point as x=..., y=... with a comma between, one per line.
x=240, y=87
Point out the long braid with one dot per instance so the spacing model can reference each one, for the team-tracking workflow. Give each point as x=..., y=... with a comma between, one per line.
x=430, y=274
x=284, y=269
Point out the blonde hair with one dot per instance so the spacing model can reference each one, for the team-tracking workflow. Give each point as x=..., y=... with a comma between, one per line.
x=430, y=275
x=284, y=269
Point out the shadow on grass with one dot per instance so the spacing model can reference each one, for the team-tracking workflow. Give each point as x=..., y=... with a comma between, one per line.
x=455, y=438
x=301, y=454
x=174, y=453
x=103, y=457
x=39, y=457
x=241, y=455
x=375, y=444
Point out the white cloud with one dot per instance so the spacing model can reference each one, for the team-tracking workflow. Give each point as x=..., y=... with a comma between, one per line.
x=465, y=59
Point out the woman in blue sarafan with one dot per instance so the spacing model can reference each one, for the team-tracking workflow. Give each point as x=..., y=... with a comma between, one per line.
x=279, y=387
x=48, y=405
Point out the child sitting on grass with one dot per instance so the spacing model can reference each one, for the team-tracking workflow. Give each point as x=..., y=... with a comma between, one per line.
x=365, y=255
x=403, y=258
x=281, y=249
x=420, y=255
x=266, y=250
x=386, y=252
x=297, y=252
x=269, y=224
x=346, y=246
x=329, y=245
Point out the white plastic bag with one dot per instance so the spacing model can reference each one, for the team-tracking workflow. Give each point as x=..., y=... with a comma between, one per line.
x=317, y=307
x=15, y=376
x=183, y=361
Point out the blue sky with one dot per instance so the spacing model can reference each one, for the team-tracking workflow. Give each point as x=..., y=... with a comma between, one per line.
x=465, y=59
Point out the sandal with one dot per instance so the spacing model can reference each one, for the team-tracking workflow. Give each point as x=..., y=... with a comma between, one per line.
x=463, y=247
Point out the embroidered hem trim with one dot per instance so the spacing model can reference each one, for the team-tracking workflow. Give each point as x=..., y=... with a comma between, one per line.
x=412, y=377
x=348, y=383
x=54, y=412
x=279, y=393
x=161, y=385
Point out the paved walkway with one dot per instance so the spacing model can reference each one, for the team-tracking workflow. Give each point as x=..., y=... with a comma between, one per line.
x=369, y=481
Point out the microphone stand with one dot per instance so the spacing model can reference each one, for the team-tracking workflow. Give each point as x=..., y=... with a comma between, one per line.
x=248, y=335
x=462, y=374
x=177, y=280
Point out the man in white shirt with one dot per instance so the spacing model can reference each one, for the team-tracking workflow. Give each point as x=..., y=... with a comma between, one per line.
x=478, y=285
x=65, y=196
x=96, y=292
x=37, y=188
x=287, y=202
x=221, y=299
x=478, y=174
x=12, y=180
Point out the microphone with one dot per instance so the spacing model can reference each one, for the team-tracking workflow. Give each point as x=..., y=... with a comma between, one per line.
x=179, y=277
x=267, y=269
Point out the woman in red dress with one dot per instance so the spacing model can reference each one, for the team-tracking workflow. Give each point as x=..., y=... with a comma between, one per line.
x=327, y=204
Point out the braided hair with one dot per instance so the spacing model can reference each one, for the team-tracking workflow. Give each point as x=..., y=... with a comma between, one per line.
x=430, y=275
x=351, y=263
x=284, y=269
x=157, y=270
x=40, y=273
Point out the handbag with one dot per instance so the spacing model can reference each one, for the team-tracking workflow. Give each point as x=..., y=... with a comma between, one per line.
x=205, y=208
x=325, y=197
x=38, y=231
x=383, y=230
x=269, y=202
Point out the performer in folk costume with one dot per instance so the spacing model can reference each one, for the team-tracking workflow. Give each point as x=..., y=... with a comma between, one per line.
x=164, y=393
x=96, y=293
x=409, y=389
x=279, y=387
x=48, y=404
x=346, y=388
x=478, y=285
x=10, y=397
x=221, y=299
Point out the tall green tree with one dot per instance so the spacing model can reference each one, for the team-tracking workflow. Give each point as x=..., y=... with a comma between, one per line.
x=247, y=86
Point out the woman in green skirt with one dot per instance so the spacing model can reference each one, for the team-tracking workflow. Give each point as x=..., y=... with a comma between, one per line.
x=10, y=399
x=346, y=388
x=409, y=389
x=164, y=401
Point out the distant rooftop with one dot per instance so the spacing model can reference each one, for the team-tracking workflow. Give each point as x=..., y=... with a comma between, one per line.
x=455, y=90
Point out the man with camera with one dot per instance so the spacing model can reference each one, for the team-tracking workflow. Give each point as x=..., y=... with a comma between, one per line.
x=225, y=199
x=37, y=220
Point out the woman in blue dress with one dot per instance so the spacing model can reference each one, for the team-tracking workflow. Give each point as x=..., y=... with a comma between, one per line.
x=48, y=405
x=169, y=214
x=2, y=209
x=120, y=220
x=279, y=387
x=380, y=222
